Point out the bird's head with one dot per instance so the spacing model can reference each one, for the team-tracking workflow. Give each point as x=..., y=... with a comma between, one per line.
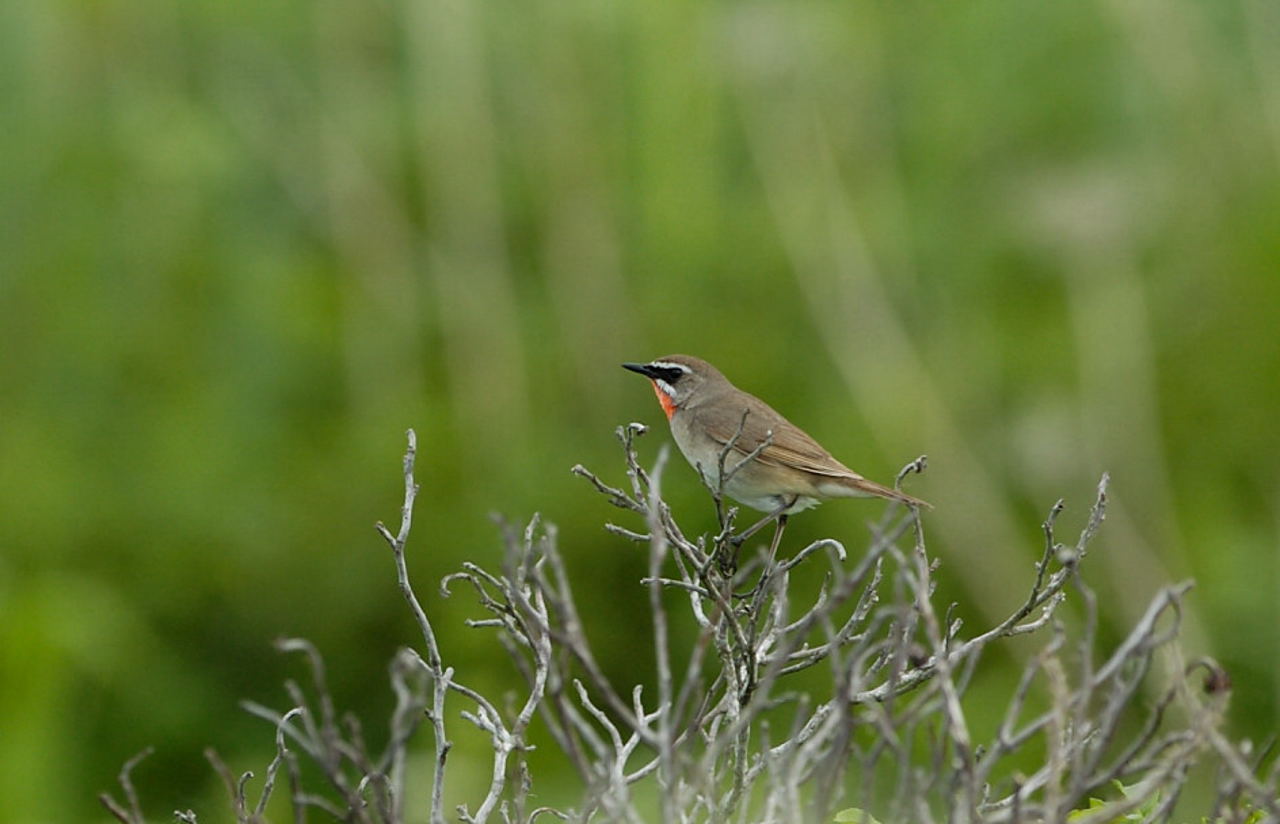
x=678, y=379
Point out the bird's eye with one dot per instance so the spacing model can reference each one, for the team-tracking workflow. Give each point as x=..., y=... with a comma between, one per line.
x=672, y=375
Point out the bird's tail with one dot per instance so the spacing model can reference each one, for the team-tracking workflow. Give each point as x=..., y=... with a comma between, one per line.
x=860, y=485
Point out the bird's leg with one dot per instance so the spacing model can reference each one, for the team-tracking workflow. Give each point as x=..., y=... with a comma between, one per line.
x=777, y=514
x=773, y=553
x=777, y=536
x=729, y=562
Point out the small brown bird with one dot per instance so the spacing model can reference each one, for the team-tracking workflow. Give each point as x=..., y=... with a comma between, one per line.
x=789, y=470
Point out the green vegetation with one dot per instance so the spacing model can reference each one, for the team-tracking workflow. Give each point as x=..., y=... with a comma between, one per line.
x=245, y=245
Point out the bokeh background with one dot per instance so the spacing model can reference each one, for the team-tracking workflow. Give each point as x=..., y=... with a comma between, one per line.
x=245, y=245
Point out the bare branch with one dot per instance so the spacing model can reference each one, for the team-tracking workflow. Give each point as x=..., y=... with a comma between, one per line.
x=729, y=733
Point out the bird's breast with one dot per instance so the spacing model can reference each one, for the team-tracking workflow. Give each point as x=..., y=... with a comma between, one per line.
x=699, y=449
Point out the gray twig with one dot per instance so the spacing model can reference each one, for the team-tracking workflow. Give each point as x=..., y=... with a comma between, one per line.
x=729, y=733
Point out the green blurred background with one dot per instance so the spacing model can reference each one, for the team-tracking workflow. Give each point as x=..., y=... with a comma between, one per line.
x=245, y=245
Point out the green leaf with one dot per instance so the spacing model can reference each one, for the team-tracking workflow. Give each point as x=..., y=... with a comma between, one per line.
x=1147, y=807
x=1094, y=804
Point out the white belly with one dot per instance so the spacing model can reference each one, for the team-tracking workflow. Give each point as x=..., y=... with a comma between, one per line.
x=771, y=503
x=745, y=487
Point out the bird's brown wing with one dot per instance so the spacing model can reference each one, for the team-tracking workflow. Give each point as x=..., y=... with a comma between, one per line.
x=788, y=445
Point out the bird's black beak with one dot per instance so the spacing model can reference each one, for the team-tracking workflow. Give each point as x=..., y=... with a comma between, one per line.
x=642, y=368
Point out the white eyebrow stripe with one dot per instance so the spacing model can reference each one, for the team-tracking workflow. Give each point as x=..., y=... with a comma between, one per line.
x=669, y=365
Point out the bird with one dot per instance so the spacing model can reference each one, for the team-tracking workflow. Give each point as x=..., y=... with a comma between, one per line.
x=769, y=463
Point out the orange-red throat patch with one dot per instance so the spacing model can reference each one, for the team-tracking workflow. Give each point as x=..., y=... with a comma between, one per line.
x=668, y=405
